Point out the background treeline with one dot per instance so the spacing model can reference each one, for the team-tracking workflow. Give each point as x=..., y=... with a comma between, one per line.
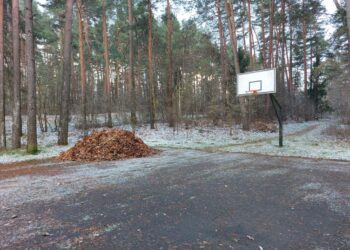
x=114, y=57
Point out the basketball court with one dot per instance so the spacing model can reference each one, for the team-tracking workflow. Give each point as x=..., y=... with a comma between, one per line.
x=180, y=199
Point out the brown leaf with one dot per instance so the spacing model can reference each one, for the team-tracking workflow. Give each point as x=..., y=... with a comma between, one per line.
x=108, y=145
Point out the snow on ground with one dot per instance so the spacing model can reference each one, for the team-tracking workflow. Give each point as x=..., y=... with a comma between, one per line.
x=47, y=142
x=311, y=144
x=209, y=137
x=301, y=139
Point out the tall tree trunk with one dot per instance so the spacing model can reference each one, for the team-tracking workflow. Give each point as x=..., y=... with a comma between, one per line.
x=290, y=63
x=348, y=22
x=262, y=13
x=232, y=28
x=16, y=110
x=107, y=79
x=283, y=20
x=223, y=57
x=251, y=38
x=32, y=144
x=91, y=80
x=283, y=60
x=271, y=58
x=278, y=41
x=304, y=48
x=170, y=80
x=117, y=71
x=82, y=64
x=133, y=118
x=243, y=10
x=116, y=84
x=150, y=68
x=2, y=83
x=66, y=75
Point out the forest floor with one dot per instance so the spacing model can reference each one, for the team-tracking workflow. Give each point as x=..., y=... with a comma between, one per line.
x=179, y=199
x=305, y=139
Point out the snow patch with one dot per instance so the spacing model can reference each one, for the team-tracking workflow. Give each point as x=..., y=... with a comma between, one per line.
x=301, y=140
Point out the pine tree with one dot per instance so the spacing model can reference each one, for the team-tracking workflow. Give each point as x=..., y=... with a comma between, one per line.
x=66, y=75
x=16, y=109
x=82, y=63
x=2, y=82
x=150, y=67
x=32, y=144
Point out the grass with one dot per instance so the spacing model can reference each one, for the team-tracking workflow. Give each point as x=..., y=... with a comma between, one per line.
x=20, y=152
x=340, y=132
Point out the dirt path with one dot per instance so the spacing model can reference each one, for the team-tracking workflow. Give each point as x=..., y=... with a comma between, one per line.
x=181, y=200
x=45, y=167
x=289, y=135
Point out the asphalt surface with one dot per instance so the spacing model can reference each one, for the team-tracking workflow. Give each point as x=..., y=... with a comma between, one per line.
x=178, y=200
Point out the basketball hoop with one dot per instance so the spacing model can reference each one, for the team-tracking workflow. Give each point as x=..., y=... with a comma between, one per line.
x=256, y=83
x=253, y=92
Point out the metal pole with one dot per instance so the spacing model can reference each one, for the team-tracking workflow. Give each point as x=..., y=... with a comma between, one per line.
x=278, y=113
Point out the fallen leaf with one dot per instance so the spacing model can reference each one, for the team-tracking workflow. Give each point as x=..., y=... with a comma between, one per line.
x=250, y=237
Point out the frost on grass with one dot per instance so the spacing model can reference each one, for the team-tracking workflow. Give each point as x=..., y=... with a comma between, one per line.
x=208, y=137
x=311, y=144
x=301, y=139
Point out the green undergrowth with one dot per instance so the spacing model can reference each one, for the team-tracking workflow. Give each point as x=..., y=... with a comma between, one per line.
x=19, y=152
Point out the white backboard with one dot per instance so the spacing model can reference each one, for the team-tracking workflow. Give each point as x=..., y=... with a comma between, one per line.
x=261, y=82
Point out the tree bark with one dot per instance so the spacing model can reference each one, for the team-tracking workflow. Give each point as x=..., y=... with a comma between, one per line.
x=232, y=28
x=271, y=58
x=262, y=9
x=82, y=63
x=116, y=84
x=251, y=38
x=16, y=110
x=32, y=144
x=304, y=48
x=348, y=22
x=223, y=57
x=150, y=68
x=283, y=62
x=337, y=4
x=107, y=80
x=2, y=83
x=290, y=63
x=133, y=118
x=243, y=7
x=277, y=49
x=170, y=82
x=117, y=70
x=66, y=75
x=283, y=5
x=91, y=80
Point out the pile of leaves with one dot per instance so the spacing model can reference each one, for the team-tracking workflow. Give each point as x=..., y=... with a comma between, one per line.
x=108, y=145
x=265, y=127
